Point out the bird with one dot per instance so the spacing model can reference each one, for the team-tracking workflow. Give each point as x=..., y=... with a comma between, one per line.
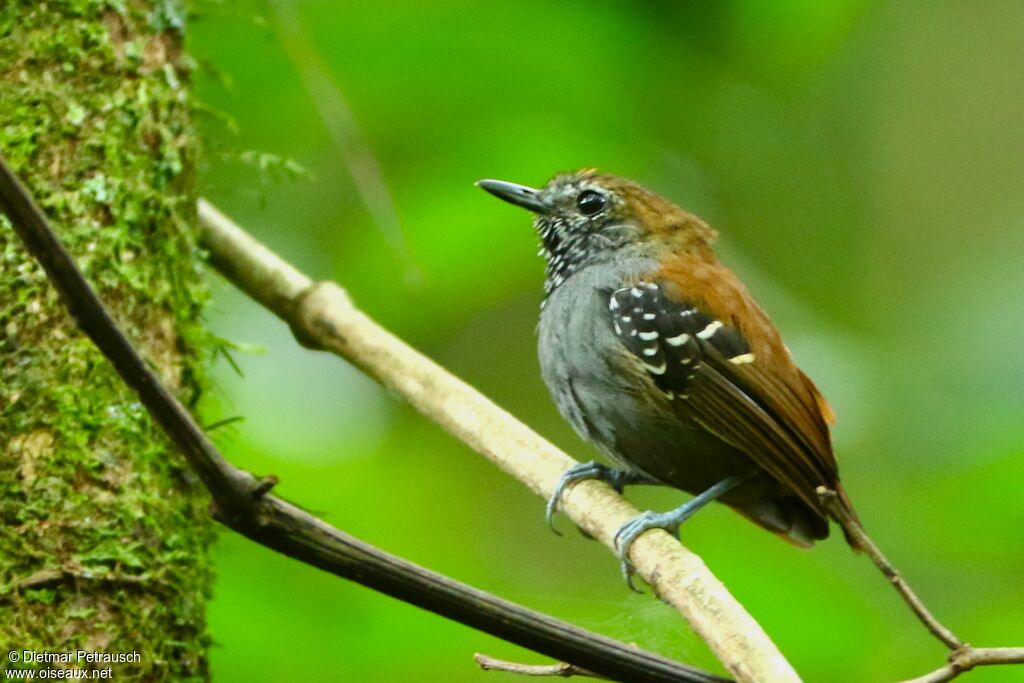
x=657, y=353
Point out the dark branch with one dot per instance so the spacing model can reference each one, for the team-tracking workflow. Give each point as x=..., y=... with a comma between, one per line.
x=242, y=502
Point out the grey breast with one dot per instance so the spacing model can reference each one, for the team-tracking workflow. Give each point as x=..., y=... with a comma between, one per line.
x=600, y=389
x=580, y=354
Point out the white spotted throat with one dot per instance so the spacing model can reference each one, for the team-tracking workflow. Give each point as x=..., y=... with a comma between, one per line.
x=656, y=353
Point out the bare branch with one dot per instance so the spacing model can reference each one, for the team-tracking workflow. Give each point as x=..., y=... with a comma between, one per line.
x=243, y=503
x=969, y=657
x=963, y=657
x=830, y=500
x=322, y=316
x=560, y=670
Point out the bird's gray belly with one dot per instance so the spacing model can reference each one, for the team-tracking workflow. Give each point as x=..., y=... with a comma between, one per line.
x=610, y=404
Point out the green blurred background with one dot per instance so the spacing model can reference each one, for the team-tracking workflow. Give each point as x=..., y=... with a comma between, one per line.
x=864, y=162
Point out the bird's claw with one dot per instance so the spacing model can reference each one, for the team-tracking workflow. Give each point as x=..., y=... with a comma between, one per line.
x=631, y=530
x=669, y=521
x=578, y=472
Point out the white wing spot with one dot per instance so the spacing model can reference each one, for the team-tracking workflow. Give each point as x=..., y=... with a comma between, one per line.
x=679, y=340
x=613, y=304
x=650, y=351
x=636, y=292
x=742, y=358
x=648, y=336
x=618, y=330
x=649, y=316
x=710, y=330
x=657, y=370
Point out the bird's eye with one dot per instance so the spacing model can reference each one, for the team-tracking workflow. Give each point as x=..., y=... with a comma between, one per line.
x=590, y=202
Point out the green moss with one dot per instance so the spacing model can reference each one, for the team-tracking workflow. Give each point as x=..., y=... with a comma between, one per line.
x=105, y=529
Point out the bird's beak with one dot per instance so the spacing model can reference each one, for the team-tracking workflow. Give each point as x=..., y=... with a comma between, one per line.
x=520, y=195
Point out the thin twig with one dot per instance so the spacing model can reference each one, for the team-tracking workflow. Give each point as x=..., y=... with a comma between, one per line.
x=830, y=500
x=322, y=316
x=967, y=658
x=560, y=670
x=963, y=657
x=352, y=147
x=242, y=502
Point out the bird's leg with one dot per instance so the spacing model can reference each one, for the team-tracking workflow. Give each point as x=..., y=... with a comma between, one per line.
x=617, y=479
x=669, y=521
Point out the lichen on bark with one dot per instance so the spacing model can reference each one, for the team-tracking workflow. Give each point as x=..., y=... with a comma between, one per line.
x=104, y=530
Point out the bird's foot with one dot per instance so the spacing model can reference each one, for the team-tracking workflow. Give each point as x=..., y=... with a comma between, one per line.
x=669, y=521
x=617, y=479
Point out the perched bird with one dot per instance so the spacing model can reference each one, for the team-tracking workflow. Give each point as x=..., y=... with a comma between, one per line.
x=657, y=353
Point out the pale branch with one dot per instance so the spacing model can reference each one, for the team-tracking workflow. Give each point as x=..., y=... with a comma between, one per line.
x=242, y=502
x=322, y=316
x=967, y=658
x=830, y=500
x=559, y=670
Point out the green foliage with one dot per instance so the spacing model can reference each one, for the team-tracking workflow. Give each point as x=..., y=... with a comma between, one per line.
x=106, y=529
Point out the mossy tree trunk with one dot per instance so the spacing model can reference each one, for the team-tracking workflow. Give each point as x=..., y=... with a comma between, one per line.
x=104, y=533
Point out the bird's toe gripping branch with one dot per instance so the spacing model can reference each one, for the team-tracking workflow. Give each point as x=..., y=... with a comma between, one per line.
x=669, y=521
x=617, y=479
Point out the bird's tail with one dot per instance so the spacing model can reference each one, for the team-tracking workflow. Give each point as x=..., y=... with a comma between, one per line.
x=789, y=518
x=793, y=520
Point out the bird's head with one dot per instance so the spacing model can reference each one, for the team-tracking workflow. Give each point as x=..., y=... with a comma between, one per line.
x=588, y=217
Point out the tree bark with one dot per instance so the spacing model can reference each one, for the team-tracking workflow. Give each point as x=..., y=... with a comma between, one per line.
x=105, y=532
